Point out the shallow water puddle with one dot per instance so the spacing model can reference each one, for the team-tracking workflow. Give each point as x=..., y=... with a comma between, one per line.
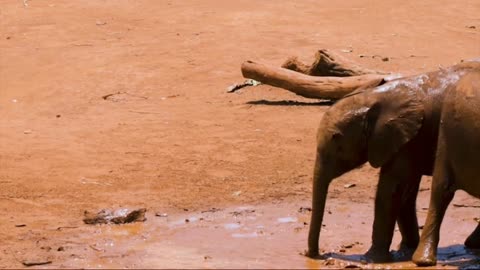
x=264, y=236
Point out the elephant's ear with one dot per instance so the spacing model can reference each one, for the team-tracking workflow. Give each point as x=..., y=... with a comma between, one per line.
x=392, y=121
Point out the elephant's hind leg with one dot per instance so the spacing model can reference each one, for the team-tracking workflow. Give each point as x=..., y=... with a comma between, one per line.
x=473, y=241
x=407, y=217
x=442, y=194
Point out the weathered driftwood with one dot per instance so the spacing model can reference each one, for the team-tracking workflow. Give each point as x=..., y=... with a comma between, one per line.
x=308, y=86
x=329, y=76
x=326, y=63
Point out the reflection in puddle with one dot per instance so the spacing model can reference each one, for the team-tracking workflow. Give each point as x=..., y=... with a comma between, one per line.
x=287, y=220
x=245, y=235
x=232, y=226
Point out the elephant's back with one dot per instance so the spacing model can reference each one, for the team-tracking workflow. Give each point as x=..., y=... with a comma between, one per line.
x=460, y=131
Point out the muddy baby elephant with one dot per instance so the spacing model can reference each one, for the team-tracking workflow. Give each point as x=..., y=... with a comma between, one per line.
x=394, y=126
x=456, y=164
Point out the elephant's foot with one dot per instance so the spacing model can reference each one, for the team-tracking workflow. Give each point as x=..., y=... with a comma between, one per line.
x=473, y=241
x=378, y=255
x=424, y=256
x=404, y=253
x=313, y=254
x=406, y=250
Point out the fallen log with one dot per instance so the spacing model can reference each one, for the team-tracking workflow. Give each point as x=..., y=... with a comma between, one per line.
x=326, y=63
x=317, y=87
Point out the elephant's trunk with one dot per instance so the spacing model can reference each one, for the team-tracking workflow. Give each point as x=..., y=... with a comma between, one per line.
x=321, y=181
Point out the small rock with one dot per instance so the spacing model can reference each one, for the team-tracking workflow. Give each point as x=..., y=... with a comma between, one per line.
x=304, y=209
x=60, y=249
x=329, y=261
x=342, y=250
x=349, y=185
x=120, y=216
x=237, y=193
x=28, y=131
x=207, y=257
x=187, y=220
x=211, y=210
x=161, y=214
x=385, y=59
x=100, y=23
x=46, y=248
x=35, y=262
x=58, y=115
x=20, y=225
x=471, y=26
x=351, y=266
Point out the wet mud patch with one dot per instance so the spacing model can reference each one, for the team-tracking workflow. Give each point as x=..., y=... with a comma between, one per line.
x=251, y=236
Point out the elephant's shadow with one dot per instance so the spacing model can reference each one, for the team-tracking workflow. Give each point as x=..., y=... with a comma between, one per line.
x=453, y=256
x=290, y=103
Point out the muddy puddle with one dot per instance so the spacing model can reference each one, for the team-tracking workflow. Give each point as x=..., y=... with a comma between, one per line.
x=253, y=236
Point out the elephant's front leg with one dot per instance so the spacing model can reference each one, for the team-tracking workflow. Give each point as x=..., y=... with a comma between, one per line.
x=396, y=178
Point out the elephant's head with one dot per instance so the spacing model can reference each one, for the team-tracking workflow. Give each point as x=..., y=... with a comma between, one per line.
x=370, y=125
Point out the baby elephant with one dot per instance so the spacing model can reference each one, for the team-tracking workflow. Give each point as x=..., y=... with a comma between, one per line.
x=396, y=127
x=456, y=164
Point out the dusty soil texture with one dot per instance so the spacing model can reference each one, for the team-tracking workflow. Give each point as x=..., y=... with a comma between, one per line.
x=123, y=104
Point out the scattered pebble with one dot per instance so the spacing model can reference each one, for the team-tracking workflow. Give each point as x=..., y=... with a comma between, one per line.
x=212, y=210
x=161, y=214
x=20, y=225
x=304, y=209
x=329, y=261
x=349, y=185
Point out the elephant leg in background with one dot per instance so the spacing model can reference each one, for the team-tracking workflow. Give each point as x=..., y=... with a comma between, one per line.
x=473, y=241
x=407, y=217
x=441, y=196
x=397, y=179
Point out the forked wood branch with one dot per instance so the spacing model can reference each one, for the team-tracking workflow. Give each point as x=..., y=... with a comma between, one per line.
x=328, y=77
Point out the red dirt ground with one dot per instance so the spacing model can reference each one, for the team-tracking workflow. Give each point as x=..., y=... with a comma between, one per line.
x=169, y=137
